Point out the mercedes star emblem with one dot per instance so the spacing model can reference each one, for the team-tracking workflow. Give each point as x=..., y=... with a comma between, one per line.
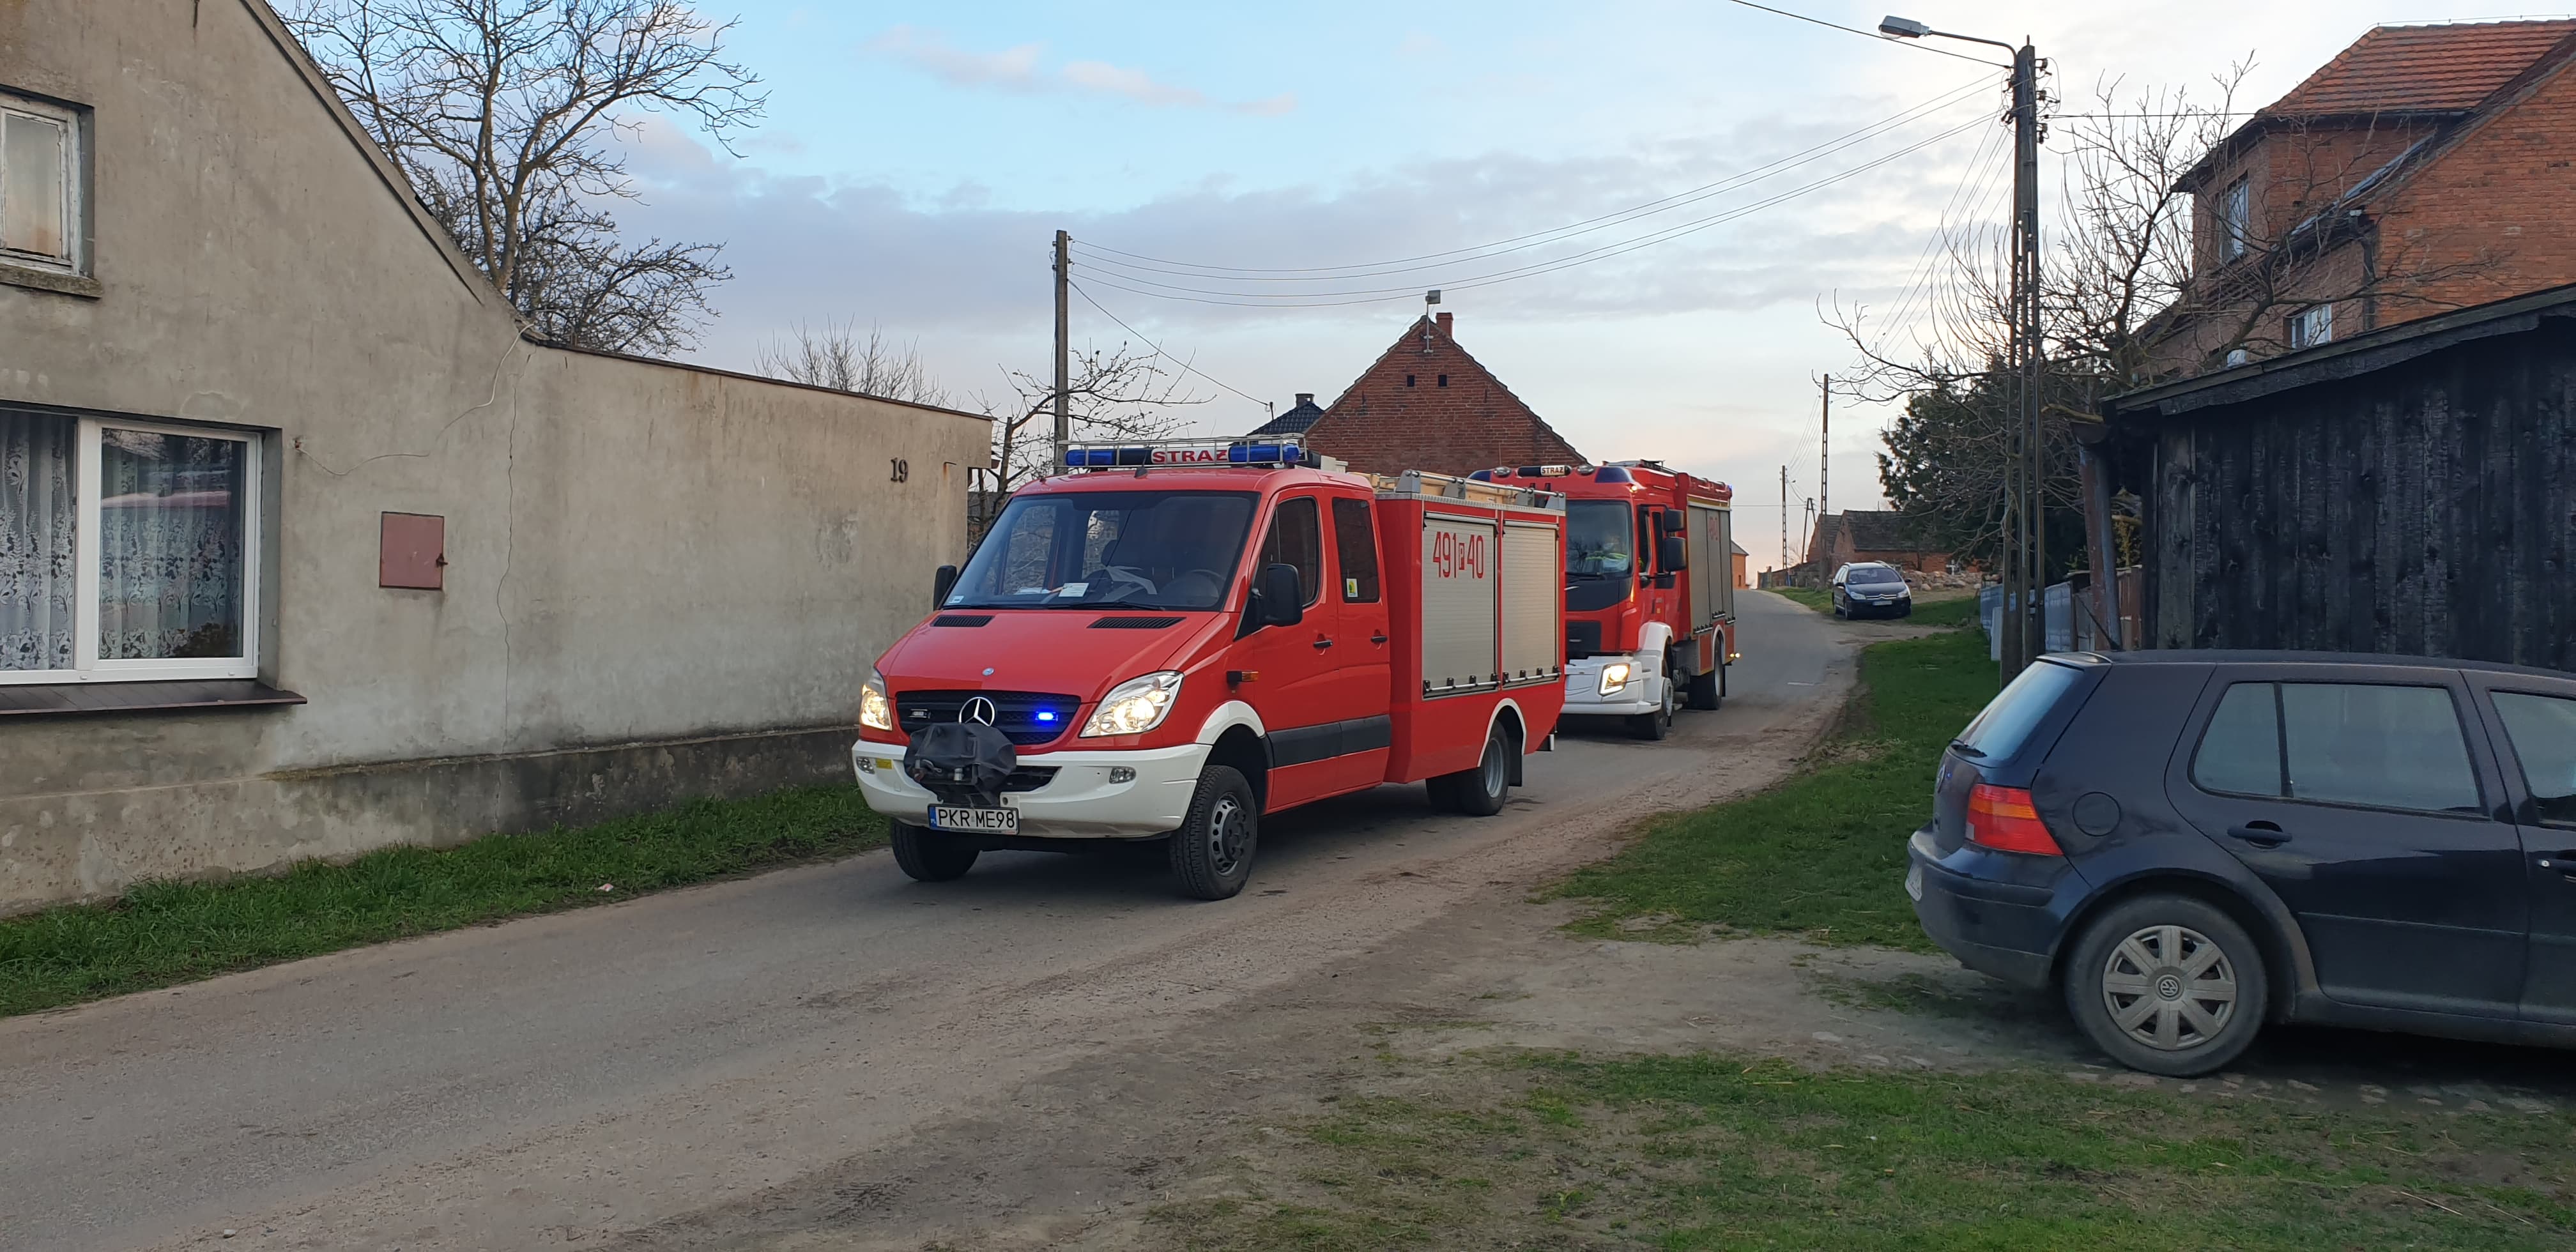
x=978, y=710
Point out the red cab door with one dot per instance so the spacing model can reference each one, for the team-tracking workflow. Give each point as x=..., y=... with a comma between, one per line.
x=1293, y=676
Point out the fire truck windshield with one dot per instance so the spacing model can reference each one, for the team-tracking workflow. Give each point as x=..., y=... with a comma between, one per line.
x=1153, y=549
x=1597, y=542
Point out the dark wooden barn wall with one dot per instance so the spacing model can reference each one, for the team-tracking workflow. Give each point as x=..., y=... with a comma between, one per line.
x=2425, y=508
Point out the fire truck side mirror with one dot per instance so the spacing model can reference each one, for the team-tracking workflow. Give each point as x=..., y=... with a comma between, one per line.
x=1279, y=598
x=941, y=583
x=1673, y=521
x=1670, y=554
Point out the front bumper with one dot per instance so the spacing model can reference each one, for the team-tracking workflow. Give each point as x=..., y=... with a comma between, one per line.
x=1079, y=802
x=2006, y=929
x=1857, y=606
x=1583, y=698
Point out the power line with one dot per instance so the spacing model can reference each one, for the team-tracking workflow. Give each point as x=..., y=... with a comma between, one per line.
x=1158, y=348
x=1870, y=35
x=1319, y=273
x=1318, y=300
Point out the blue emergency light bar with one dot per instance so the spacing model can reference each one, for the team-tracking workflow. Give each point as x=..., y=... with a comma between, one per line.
x=1178, y=453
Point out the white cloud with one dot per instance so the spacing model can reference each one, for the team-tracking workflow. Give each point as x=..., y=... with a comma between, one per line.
x=1017, y=69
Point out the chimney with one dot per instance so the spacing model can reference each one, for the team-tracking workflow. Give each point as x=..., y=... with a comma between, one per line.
x=1305, y=398
x=1448, y=320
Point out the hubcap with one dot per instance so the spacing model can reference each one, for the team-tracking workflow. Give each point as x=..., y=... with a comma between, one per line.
x=1225, y=830
x=1491, y=771
x=2169, y=988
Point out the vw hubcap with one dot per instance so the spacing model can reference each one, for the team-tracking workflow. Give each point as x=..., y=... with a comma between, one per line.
x=1225, y=832
x=2169, y=988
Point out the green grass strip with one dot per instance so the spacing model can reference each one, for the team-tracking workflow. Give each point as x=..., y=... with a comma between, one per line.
x=162, y=933
x=1822, y=855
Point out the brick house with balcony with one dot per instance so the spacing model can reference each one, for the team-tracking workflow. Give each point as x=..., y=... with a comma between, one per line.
x=1426, y=404
x=2423, y=169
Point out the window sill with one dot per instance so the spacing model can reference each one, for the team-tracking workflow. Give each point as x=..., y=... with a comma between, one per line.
x=49, y=280
x=66, y=699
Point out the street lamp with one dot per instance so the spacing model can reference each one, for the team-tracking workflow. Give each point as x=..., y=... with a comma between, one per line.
x=2025, y=624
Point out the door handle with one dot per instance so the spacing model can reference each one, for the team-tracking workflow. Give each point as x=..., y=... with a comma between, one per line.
x=1322, y=643
x=2563, y=861
x=1379, y=637
x=2260, y=834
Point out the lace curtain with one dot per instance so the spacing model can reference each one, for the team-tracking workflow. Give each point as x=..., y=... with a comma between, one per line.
x=170, y=545
x=36, y=555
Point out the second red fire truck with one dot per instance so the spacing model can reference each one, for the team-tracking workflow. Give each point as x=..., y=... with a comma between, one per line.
x=1649, y=588
x=1182, y=638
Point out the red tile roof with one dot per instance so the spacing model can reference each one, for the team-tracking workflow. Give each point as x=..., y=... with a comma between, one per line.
x=2397, y=69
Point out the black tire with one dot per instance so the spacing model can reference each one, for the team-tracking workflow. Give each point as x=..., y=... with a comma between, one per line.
x=1212, y=851
x=1654, y=725
x=1707, y=691
x=1443, y=790
x=1480, y=792
x=931, y=855
x=2155, y=941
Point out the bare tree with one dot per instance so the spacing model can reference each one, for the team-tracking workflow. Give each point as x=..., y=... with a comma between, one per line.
x=504, y=114
x=2134, y=290
x=834, y=356
x=1116, y=394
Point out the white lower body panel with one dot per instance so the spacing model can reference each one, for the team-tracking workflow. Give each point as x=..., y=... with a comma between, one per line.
x=1080, y=802
x=1643, y=694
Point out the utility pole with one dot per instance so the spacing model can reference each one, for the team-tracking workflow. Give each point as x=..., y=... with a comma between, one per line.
x=2026, y=288
x=1784, y=519
x=2025, y=537
x=1063, y=348
x=1825, y=454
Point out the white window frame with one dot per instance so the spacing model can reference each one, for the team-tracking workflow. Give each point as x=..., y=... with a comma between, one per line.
x=75, y=258
x=87, y=666
x=2312, y=326
x=2235, y=218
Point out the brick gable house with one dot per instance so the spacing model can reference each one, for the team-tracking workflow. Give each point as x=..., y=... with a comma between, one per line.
x=1868, y=535
x=2423, y=169
x=1426, y=404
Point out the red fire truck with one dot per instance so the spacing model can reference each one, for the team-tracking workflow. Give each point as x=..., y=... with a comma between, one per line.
x=1649, y=588
x=1184, y=637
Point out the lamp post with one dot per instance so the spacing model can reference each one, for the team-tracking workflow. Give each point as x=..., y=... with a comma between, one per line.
x=2025, y=556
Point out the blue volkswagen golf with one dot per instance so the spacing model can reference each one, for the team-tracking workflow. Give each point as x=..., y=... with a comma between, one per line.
x=2187, y=845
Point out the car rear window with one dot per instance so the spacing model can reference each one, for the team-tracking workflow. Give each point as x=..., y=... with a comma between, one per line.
x=2000, y=731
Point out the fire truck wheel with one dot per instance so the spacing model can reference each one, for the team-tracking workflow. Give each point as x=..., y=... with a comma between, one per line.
x=1654, y=725
x=1212, y=851
x=1707, y=691
x=931, y=855
x=1480, y=792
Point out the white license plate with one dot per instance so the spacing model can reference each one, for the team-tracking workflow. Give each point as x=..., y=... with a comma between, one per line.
x=1914, y=883
x=982, y=821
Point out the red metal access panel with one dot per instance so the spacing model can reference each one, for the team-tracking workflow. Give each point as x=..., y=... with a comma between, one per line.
x=413, y=553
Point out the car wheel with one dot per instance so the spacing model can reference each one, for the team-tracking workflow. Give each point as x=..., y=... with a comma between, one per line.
x=1656, y=724
x=931, y=855
x=1212, y=851
x=1480, y=792
x=2168, y=984
x=1707, y=691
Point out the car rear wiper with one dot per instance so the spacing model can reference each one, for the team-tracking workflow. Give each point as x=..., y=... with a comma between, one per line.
x=1962, y=747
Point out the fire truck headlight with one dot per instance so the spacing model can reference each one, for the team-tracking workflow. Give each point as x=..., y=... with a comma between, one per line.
x=1614, y=677
x=875, y=711
x=1135, y=706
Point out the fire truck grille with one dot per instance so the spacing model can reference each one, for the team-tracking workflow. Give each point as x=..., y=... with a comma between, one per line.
x=1026, y=718
x=1582, y=639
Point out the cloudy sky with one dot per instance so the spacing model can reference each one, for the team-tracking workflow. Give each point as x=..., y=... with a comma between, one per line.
x=918, y=158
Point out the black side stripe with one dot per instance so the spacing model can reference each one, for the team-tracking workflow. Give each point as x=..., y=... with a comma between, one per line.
x=1305, y=744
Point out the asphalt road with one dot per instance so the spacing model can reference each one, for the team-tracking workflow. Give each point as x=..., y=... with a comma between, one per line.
x=564, y=1079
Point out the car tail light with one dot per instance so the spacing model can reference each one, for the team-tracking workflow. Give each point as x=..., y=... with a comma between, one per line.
x=2003, y=818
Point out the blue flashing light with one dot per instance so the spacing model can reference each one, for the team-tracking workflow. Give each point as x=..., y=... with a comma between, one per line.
x=1046, y=715
x=1482, y=476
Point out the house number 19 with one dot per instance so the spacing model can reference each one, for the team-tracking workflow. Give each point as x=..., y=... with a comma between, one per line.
x=902, y=470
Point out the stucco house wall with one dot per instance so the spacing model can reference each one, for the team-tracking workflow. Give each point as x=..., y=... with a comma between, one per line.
x=661, y=581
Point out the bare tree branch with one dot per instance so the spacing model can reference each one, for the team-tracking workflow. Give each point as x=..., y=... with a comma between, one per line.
x=504, y=115
x=834, y=356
